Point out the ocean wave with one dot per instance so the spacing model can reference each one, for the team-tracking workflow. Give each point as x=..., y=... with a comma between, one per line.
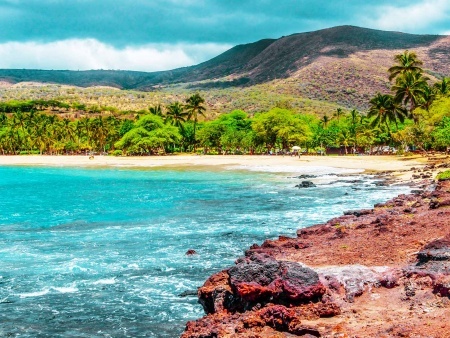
x=105, y=281
x=316, y=170
x=34, y=294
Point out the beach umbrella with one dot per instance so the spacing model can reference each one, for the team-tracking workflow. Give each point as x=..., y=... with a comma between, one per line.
x=296, y=148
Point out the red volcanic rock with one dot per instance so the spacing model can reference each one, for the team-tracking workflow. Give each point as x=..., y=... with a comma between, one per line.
x=384, y=272
x=269, y=322
x=215, y=292
x=438, y=250
x=442, y=286
x=258, y=280
x=262, y=279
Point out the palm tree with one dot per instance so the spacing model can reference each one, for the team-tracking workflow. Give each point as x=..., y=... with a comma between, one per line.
x=354, y=115
x=427, y=98
x=409, y=89
x=407, y=61
x=176, y=115
x=194, y=108
x=3, y=118
x=339, y=112
x=442, y=87
x=156, y=110
x=384, y=109
x=324, y=120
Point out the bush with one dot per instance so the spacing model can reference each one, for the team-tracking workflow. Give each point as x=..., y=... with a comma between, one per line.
x=117, y=152
x=443, y=176
x=29, y=152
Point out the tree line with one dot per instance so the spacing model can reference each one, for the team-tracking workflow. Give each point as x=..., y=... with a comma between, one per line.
x=414, y=115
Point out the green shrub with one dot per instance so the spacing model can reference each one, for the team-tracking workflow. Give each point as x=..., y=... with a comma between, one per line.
x=117, y=152
x=443, y=176
x=29, y=152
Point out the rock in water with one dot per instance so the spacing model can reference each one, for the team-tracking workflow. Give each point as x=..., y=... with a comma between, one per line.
x=305, y=184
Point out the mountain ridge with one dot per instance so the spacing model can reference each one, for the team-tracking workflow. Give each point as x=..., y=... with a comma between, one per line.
x=343, y=64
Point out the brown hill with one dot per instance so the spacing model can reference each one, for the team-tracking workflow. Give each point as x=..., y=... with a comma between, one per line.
x=345, y=65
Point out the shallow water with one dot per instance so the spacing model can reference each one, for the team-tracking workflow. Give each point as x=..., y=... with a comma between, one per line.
x=101, y=252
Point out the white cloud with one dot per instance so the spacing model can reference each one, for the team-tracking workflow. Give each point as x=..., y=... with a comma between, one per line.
x=85, y=54
x=414, y=18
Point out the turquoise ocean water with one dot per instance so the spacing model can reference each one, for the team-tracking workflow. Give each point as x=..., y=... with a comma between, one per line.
x=101, y=252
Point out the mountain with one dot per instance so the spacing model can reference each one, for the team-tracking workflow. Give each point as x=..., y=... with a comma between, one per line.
x=345, y=65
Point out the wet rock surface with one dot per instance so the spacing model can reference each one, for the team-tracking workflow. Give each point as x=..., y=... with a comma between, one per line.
x=381, y=272
x=305, y=184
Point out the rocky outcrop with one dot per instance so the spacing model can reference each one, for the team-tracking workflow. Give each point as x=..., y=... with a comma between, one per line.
x=438, y=250
x=381, y=272
x=305, y=184
x=258, y=280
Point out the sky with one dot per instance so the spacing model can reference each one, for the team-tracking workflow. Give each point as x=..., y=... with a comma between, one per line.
x=152, y=35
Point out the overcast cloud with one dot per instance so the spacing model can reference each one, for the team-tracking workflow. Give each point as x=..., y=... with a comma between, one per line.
x=164, y=34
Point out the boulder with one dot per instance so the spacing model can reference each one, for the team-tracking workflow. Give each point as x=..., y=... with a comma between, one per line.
x=305, y=184
x=438, y=250
x=260, y=279
x=442, y=286
x=354, y=279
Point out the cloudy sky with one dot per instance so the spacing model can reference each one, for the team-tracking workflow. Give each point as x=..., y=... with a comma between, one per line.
x=151, y=35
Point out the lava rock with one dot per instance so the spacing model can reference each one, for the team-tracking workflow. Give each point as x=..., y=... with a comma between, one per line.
x=438, y=250
x=305, y=184
x=262, y=279
x=359, y=213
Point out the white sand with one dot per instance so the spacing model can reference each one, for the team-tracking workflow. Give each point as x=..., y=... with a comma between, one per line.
x=262, y=162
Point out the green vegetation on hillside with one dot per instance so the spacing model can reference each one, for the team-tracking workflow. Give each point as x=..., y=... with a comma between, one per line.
x=416, y=115
x=315, y=72
x=443, y=176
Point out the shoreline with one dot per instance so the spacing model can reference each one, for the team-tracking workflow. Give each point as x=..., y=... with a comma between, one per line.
x=399, y=168
x=380, y=272
x=365, y=247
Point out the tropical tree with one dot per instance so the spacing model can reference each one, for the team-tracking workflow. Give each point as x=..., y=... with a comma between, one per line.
x=441, y=134
x=149, y=135
x=383, y=110
x=442, y=87
x=427, y=98
x=405, y=62
x=339, y=112
x=156, y=110
x=279, y=126
x=325, y=119
x=410, y=89
x=176, y=115
x=194, y=107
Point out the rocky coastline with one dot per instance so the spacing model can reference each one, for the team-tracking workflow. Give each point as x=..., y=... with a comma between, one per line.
x=381, y=272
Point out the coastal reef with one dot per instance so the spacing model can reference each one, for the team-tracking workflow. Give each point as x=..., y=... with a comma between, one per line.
x=381, y=272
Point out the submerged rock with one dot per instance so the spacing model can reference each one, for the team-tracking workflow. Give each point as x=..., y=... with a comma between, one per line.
x=188, y=293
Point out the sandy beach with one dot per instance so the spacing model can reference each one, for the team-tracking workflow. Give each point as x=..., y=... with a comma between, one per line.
x=399, y=165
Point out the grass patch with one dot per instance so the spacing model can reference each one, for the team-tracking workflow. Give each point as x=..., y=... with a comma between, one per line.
x=443, y=176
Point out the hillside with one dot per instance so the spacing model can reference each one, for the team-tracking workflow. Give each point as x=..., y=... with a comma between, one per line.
x=343, y=65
